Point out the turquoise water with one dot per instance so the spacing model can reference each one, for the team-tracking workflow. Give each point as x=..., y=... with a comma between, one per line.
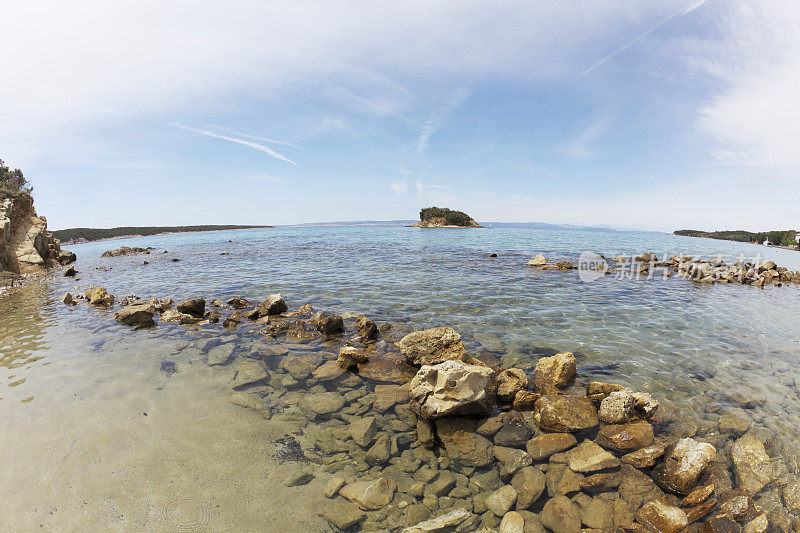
x=702, y=351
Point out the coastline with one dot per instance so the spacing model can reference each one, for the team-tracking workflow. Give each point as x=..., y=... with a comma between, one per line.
x=136, y=236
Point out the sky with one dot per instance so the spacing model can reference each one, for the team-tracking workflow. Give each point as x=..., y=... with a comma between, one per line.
x=651, y=114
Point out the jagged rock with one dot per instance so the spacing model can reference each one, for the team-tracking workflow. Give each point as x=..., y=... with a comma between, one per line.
x=68, y=299
x=597, y=391
x=524, y=400
x=369, y=495
x=698, y=496
x=274, y=304
x=565, y=414
x=462, y=443
x=350, y=357
x=589, y=457
x=139, y=315
x=170, y=315
x=529, y=482
x=510, y=382
x=537, y=261
x=25, y=244
x=645, y=457
x=514, y=432
x=425, y=432
x=70, y=272
x=380, y=452
x=560, y=515
x=624, y=438
x=683, y=466
x=238, y=303
x=366, y=328
x=440, y=523
x=658, y=516
x=751, y=464
x=99, y=297
x=330, y=325
x=617, y=407
x=195, y=307
x=452, y=388
x=542, y=447
x=554, y=373
x=432, y=346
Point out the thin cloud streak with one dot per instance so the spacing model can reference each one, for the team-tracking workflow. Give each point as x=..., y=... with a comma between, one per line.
x=439, y=115
x=602, y=61
x=267, y=150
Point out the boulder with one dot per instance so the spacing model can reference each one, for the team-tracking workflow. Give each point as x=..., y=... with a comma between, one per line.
x=462, y=443
x=369, y=495
x=565, y=414
x=554, y=373
x=139, y=315
x=350, y=357
x=366, y=328
x=589, y=457
x=537, y=261
x=560, y=515
x=540, y=448
x=432, y=346
x=99, y=297
x=625, y=438
x=452, y=388
x=510, y=382
x=274, y=304
x=751, y=464
x=195, y=307
x=330, y=324
x=658, y=516
x=529, y=482
x=684, y=464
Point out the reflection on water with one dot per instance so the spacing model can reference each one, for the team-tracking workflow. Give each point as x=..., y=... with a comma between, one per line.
x=135, y=430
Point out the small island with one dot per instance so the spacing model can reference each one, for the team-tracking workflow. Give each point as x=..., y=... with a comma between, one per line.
x=438, y=217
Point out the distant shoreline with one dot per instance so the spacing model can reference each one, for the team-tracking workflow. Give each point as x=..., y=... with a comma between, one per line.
x=85, y=235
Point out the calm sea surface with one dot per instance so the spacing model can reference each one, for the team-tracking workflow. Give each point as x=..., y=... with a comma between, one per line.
x=97, y=432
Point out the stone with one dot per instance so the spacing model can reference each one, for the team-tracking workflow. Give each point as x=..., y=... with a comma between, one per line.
x=662, y=518
x=219, y=355
x=363, y=431
x=510, y=382
x=170, y=315
x=693, y=514
x=380, y=452
x=598, y=390
x=524, y=400
x=514, y=432
x=462, y=443
x=350, y=357
x=274, y=304
x=70, y=271
x=432, y=346
x=733, y=424
x=387, y=396
x=500, y=501
x=139, y=315
x=625, y=438
x=195, y=307
x=599, y=514
x=440, y=523
x=738, y=504
x=589, y=457
x=637, y=488
x=683, y=466
x=512, y=522
x=646, y=457
x=617, y=407
x=698, y=496
x=322, y=403
x=511, y=459
x=249, y=372
x=645, y=406
x=791, y=496
x=301, y=366
x=366, y=328
x=751, y=465
x=452, y=388
x=330, y=325
x=238, y=303
x=68, y=299
x=99, y=297
x=554, y=373
x=529, y=482
x=602, y=482
x=296, y=479
x=560, y=515
x=369, y=494
x=327, y=371
x=562, y=480
x=426, y=433
x=565, y=414
x=542, y=447
x=342, y=515
x=720, y=524
x=759, y=524
x=537, y=261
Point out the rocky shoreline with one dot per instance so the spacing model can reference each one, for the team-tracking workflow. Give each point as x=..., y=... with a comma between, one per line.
x=413, y=433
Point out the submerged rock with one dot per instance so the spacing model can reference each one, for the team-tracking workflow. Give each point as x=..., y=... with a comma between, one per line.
x=554, y=373
x=560, y=515
x=342, y=515
x=369, y=495
x=565, y=414
x=542, y=447
x=366, y=328
x=452, y=388
x=658, y=516
x=440, y=523
x=683, y=466
x=462, y=443
x=751, y=464
x=139, y=315
x=589, y=457
x=624, y=438
x=432, y=346
x=350, y=357
x=529, y=482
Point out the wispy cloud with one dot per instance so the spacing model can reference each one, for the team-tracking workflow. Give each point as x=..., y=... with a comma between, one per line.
x=580, y=146
x=260, y=176
x=439, y=115
x=266, y=149
x=399, y=187
x=603, y=60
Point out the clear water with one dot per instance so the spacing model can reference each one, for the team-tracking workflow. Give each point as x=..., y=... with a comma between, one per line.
x=75, y=384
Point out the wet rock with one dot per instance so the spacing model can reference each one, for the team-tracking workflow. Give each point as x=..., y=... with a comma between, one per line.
x=490, y=426
x=510, y=382
x=514, y=432
x=170, y=315
x=195, y=307
x=589, y=457
x=363, y=431
x=599, y=514
x=646, y=457
x=791, y=496
x=126, y=250
x=248, y=401
x=500, y=501
x=70, y=271
x=693, y=514
x=512, y=523
x=68, y=299
x=386, y=369
x=733, y=424
x=737, y=504
x=452, y=388
x=562, y=480
x=342, y=515
x=426, y=433
x=758, y=524
x=529, y=482
x=322, y=403
x=658, y=516
x=524, y=400
x=637, y=488
x=617, y=407
x=683, y=466
x=387, y=396
x=369, y=494
x=139, y=315
x=720, y=524
x=565, y=414
x=462, y=443
x=366, y=328
x=565, y=265
x=432, y=346
x=327, y=371
x=330, y=325
x=554, y=373
x=229, y=322
x=99, y=297
x=603, y=482
x=297, y=478
x=249, y=372
x=542, y=447
x=380, y=452
x=238, y=303
x=751, y=464
x=219, y=355
x=350, y=357
x=624, y=438
x=274, y=304
x=597, y=391
x=698, y=496
x=537, y=261
x=301, y=366
x=560, y=515
x=511, y=459
x=213, y=316
x=440, y=523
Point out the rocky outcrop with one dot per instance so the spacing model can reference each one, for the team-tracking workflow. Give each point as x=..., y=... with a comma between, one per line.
x=126, y=250
x=26, y=247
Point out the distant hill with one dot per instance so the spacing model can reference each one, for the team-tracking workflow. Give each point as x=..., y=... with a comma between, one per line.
x=76, y=235
x=442, y=217
x=778, y=237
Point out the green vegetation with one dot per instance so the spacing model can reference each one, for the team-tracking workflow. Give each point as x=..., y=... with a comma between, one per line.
x=783, y=238
x=12, y=182
x=96, y=234
x=455, y=218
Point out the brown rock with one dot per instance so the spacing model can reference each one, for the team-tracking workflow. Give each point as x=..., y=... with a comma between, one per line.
x=432, y=346
x=624, y=438
x=452, y=388
x=560, y=515
x=330, y=325
x=366, y=328
x=720, y=524
x=462, y=443
x=195, y=307
x=565, y=414
x=684, y=464
x=597, y=390
x=529, y=483
x=645, y=457
x=751, y=464
x=524, y=400
x=510, y=382
x=554, y=373
x=662, y=518
x=542, y=447
x=603, y=482
x=738, y=504
x=589, y=457
x=350, y=357
x=698, y=496
x=99, y=297
x=369, y=495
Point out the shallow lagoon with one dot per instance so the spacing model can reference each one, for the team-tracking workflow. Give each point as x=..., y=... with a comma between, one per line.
x=76, y=385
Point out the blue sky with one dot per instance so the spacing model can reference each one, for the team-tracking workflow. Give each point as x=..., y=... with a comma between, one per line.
x=650, y=114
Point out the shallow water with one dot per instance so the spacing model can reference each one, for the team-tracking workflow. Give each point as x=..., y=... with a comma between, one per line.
x=99, y=431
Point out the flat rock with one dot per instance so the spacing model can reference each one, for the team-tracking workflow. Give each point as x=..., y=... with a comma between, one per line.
x=565, y=414
x=440, y=523
x=322, y=403
x=751, y=464
x=529, y=482
x=363, y=431
x=625, y=438
x=646, y=457
x=432, y=346
x=387, y=396
x=663, y=518
x=542, y=447
x=500, y=501
x=327, y=371
x=249, y=372
x=589, y=457
x=342, y=515
x=219, y=355
x=369, y=494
